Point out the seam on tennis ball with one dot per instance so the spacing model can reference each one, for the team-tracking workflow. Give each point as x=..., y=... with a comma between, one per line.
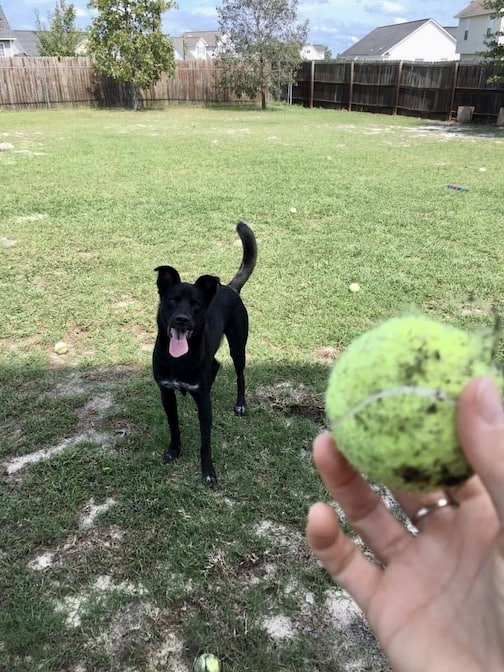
x=404, y=390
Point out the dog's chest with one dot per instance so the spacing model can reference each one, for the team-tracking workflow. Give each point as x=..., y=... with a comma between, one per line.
x=178, y=385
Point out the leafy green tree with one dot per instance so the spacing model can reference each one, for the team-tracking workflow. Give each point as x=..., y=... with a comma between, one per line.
x=128, y=45
x=495, y=43
x=261, y=48
x=59, y=36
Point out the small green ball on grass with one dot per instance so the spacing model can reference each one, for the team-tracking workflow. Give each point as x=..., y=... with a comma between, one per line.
x=392, y=397
x=207, y=662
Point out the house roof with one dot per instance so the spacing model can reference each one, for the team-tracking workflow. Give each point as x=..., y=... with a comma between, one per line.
x=476, y=8
x=5, y=30
x=28, y=42
x=452, y=30
x=381, y=40
x=211, y=37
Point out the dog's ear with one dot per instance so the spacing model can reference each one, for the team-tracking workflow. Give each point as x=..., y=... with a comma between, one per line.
x=208, y=285
x=167, y=277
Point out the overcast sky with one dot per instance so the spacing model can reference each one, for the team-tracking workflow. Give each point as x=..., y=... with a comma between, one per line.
x=336, y=24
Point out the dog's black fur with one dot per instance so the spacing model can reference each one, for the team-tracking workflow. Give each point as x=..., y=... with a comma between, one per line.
x=192, y=319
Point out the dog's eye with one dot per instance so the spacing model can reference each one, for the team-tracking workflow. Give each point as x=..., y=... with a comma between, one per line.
x=171, y=302
x=195, y=305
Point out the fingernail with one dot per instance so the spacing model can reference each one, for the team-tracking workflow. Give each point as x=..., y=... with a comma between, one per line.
x=489, y=402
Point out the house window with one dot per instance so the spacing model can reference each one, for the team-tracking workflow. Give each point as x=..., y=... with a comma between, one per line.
x=489, y=32
x=2, y=49
x=466, y=35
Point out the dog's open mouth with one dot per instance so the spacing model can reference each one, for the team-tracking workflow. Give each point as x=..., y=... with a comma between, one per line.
x=178, y=345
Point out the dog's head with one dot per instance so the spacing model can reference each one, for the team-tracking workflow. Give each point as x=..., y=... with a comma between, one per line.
x=182, y=307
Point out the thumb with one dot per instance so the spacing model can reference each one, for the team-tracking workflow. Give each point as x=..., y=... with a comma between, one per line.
x=480, y=428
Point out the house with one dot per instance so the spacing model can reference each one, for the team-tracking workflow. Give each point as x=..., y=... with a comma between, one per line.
x=196, y=45
x=203, y=45
x=26, y=42
x=476, y=25
x=313, y=52
x=424, y=40
x=7, y=37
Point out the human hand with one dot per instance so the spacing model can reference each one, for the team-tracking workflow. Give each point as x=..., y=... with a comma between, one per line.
x=435, y=600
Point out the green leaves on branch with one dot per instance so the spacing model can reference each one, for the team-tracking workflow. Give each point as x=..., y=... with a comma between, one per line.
x=58, y=37
x=495, y=42
x=261, y=50
x=127, y=42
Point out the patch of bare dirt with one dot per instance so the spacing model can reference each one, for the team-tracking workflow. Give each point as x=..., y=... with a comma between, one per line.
x=288, y=398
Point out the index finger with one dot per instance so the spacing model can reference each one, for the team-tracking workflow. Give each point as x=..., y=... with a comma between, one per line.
x=480, y=427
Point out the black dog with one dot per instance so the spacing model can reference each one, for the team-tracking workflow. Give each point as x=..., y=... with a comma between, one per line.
x=192, y=319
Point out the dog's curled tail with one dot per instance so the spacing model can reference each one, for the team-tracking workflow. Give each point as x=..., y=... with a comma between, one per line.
x=249, y=257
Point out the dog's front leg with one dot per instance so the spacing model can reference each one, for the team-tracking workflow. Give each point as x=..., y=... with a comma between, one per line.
x=169, y=401
x=204, y=405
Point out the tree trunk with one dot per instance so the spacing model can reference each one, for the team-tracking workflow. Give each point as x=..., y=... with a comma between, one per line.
x=263, y=99
x=135, y=97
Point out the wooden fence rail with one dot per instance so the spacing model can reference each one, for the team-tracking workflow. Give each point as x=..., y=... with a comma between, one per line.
x=431, y=90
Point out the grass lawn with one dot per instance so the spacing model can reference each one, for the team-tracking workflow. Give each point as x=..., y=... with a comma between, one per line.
x=110, y=560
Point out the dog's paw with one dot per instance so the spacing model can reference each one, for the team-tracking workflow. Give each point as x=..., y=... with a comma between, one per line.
x=210, y=478
x=170, y=456
x=240, y=410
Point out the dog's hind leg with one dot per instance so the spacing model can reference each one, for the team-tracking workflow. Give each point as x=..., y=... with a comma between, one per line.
x=169, y=401
x=215, y=369
x=238, y=357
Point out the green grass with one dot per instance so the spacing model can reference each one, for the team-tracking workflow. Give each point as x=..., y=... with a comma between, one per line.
x=91, y=202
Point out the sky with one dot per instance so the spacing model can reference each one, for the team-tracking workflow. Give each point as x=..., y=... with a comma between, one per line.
x=337, y=24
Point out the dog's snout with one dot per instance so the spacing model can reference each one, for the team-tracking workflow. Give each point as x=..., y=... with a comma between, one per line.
x=181, y=321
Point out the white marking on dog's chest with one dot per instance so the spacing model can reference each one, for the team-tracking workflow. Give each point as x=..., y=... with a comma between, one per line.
x=179, y=385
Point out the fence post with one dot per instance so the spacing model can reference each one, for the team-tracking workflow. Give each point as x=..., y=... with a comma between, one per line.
x=350, y=91
x=312, y=82
x=454, y=88
x=398, y=87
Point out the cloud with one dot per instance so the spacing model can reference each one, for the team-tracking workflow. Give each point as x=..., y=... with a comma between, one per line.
x=384, y=7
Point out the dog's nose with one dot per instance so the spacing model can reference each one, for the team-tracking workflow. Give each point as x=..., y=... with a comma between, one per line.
x=181, y=322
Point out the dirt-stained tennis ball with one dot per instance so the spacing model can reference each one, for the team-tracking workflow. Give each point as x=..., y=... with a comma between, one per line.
x=392, y=396
x=207, y=662
x=61, y=348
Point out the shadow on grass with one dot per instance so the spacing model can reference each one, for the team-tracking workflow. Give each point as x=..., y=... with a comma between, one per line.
x=110, y=559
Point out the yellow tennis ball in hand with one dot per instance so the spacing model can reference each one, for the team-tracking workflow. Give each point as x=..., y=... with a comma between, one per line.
x=392, y=397
x=207, y=662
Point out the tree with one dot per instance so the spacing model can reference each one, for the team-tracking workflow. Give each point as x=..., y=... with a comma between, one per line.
x=261, y=49
x=128, y=45
x=495, y=42
x=59, y=36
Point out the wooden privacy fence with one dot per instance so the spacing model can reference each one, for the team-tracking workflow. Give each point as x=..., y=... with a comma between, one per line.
x=431, y=90
x=47, y=82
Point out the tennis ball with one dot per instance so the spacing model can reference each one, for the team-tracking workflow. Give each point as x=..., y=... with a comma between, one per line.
x=207, y=662
x=61, y=348
x=392, y=396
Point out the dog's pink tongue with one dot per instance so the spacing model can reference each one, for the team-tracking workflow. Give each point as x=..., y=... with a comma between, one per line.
x=178, y=344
